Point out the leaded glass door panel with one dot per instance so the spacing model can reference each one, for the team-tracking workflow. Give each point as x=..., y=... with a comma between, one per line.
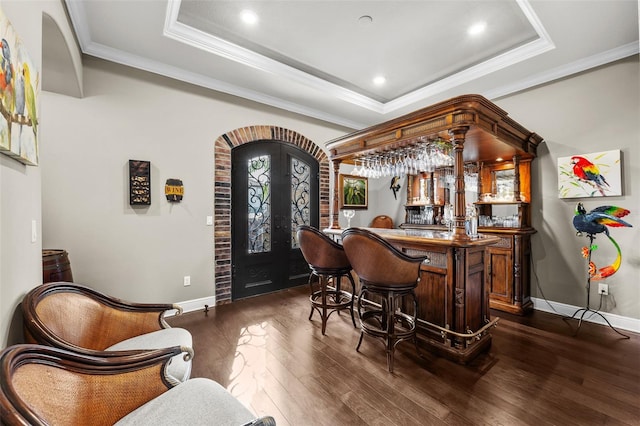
x=274, y=189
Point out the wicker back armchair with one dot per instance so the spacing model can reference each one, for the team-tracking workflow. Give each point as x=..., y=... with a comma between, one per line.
x=42, y=385
x=79, y=319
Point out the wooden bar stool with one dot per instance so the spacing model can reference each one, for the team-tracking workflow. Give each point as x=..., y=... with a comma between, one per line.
x=381, y=221
x=388, y=278
x=327, y=260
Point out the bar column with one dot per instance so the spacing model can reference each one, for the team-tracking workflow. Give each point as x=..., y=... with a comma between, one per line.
x=335, y=224
x=458, y=135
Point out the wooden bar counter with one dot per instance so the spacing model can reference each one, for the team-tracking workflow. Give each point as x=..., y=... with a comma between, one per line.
x=460, y=274
x=453, y=300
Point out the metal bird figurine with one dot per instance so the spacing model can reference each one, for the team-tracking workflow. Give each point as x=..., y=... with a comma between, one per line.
x=588, y=172
x=395, y=186
x=596, y=222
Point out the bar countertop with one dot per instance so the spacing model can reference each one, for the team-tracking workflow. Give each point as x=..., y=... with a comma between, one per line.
x=426, y=236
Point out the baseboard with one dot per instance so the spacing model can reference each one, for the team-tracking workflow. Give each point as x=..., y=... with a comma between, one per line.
x=617, y=321
x=194, y=305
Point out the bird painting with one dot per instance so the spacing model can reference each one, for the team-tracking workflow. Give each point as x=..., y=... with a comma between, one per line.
x=5, y=64
x=19, y=98
x=596, y=222
x=6, y=77
x=588, y=172
x=30, y=97
x=19, y=93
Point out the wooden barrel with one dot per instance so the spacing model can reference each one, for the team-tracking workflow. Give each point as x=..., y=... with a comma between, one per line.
x=56, y=266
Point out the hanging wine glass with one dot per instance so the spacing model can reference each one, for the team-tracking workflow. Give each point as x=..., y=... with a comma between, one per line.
x=448, y=216
x=356, y=171
x=349, y=214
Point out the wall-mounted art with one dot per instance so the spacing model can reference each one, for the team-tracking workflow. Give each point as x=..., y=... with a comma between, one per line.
x=174, y=190
x=353, y=192
x=139, y=183
x=598, y=174
x=19, y=93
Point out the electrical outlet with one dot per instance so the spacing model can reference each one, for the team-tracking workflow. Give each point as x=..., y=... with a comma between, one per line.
x=187, y=280
x=603, y=289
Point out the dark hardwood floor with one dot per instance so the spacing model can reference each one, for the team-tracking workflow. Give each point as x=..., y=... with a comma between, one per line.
x=271, y=357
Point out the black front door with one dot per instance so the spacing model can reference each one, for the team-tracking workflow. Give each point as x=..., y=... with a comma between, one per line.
x=274, y=189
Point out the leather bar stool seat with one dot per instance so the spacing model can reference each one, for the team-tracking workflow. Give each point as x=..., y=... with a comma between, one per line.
x=382, y=221
x=328, y=261
x=387, y=304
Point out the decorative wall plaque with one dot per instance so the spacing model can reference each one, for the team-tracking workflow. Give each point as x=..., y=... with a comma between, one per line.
x=139, y=183
x=174, y=190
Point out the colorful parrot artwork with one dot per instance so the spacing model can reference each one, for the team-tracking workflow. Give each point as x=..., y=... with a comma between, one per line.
x=19, y=104
x=6, y=67
x=6, y=76
x=596, y=222
x=588, y=172
x=30, y=98
x=19, y=92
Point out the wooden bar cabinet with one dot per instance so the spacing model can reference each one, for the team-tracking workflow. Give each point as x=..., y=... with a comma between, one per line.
x=464, y=275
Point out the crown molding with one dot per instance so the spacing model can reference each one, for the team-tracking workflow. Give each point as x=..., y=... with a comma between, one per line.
x=557, y=73
x=138, y=62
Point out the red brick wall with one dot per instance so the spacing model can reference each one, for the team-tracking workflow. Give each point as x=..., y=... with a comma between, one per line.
x=222, y=192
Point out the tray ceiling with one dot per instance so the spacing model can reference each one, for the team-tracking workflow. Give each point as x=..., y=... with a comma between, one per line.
x=320, y=58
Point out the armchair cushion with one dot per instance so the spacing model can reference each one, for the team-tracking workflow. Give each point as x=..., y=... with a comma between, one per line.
x=178, y=370
x=197, y=401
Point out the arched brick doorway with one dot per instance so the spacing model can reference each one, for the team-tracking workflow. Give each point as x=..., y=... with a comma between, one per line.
x=222, y=188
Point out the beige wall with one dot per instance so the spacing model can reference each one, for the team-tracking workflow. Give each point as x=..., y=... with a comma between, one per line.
x=141, y=254
x=20, y=259
x=591, y=112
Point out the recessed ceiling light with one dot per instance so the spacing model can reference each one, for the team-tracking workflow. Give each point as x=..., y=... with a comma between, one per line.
x=477, y=28
x=499, y=159
x=379, y=80
x=249, y=17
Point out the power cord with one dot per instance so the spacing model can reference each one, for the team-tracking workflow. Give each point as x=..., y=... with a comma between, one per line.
x=533, y=268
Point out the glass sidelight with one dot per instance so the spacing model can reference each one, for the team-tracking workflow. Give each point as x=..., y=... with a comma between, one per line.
x=300, y=197
x=259, y=204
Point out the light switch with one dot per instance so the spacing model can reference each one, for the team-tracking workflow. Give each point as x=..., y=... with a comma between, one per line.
x=34, y=231
x=209, y=220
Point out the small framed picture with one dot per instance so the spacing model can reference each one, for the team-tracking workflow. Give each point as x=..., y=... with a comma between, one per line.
x=354, y=192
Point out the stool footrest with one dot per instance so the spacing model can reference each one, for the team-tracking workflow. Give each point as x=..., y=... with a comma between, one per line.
x=335, y=299
x=330, y=298
x=384, y=321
